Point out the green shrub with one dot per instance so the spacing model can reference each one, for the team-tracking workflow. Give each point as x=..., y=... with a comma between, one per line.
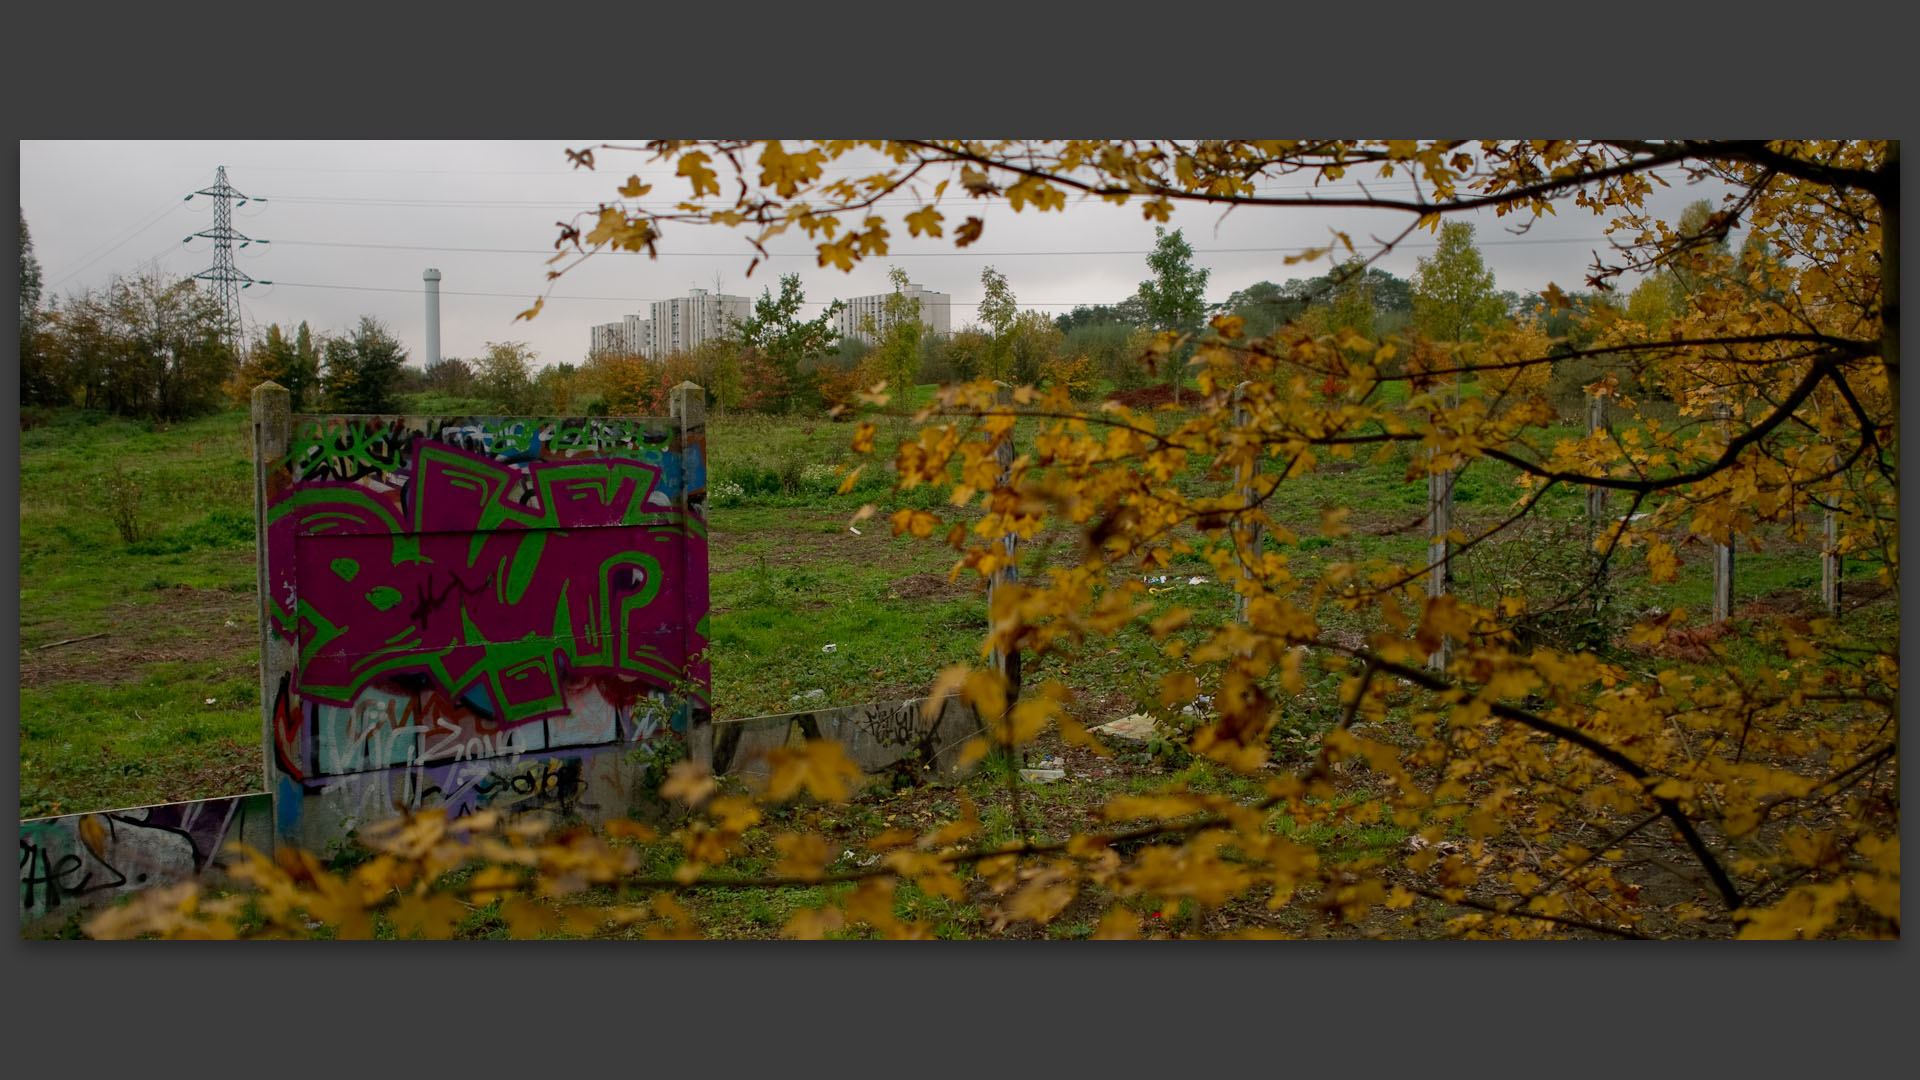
x=121, y=492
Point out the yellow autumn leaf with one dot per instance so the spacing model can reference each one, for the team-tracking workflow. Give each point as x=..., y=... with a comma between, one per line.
x=926, y=219
x=1662, y=567
x=693, y=166
x=1117, y=924
x=812, y=924
x=802, y=855
x=690, y=782
x=1171, y=621
x=821, y=766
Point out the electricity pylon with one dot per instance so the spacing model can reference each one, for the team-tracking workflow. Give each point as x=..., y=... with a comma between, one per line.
x=226, y=278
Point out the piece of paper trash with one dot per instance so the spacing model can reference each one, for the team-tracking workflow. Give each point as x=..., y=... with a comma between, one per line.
x=828, y=648
x=1196, y=581
x=212, y=701
x=1138, y=727
x=854, y=531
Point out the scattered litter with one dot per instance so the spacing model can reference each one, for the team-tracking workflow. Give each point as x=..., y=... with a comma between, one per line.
x=1196, y=581
x=854, y=531
x=1139, y=728
x=231, y=623
x=811, y=695
x=1416, y=842
x=828, y=648
x=1042, y=776
x=212, y=701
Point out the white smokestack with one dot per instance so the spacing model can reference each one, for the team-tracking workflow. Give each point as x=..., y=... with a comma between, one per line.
x=432, y=278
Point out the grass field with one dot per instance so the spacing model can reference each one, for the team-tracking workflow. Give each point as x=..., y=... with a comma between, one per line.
x=138, y=659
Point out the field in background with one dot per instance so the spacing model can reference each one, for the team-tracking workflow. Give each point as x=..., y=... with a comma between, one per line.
x=138, y=659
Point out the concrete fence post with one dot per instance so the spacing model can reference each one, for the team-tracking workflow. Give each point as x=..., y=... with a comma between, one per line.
x=1440, y=549
x=272, y=436
x=687, y=408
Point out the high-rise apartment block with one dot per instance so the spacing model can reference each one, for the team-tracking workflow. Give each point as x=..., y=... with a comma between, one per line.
x=935, y=313
x=681, y=324
x=610, y=337
x=677, y=325
x=639, y=333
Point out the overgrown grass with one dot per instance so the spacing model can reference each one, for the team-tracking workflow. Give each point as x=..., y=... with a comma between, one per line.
x=790, y=577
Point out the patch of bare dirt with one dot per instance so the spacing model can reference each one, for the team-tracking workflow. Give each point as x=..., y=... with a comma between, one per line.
x=1146, y=397
x=814, y=538
x=928, y=587
x=184, y=625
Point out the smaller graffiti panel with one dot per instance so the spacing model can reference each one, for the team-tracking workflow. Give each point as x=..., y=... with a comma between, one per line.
x=746, y=743
x=79, y=861
x=877, y=736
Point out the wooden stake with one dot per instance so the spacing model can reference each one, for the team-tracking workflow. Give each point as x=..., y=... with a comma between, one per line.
x=1723, y=553
x=1830, y=566
x=1247, y=535
x=1596, y=504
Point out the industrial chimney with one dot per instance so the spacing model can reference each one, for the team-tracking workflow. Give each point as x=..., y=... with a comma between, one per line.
x=432, y=278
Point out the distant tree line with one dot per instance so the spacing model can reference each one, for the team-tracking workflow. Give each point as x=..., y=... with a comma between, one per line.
x=155, y=348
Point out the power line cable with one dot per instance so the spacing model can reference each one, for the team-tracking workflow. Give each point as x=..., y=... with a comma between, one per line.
x=1421, y=245
x=151, y=222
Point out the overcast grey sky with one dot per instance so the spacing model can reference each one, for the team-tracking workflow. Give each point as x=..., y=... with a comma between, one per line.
x=352, y=225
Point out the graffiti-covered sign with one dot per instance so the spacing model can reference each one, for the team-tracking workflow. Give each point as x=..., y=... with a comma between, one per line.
x=76, y=862
x=476, y=612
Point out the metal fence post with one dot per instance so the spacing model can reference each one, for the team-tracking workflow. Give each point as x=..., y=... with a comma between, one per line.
x=1008, y=663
